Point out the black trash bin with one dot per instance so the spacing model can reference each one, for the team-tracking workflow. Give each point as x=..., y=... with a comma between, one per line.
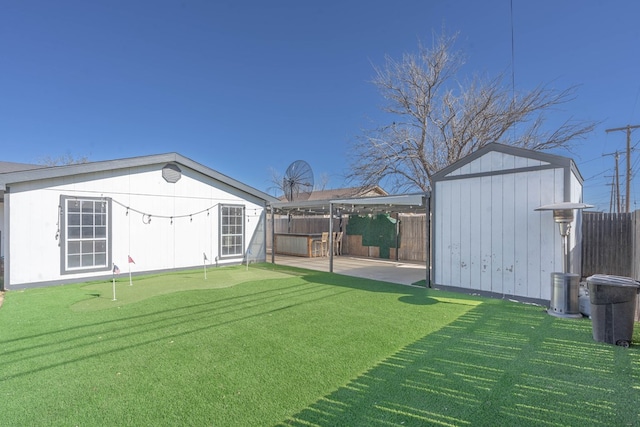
x=613, y=306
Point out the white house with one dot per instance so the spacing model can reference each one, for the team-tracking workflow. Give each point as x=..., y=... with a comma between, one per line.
x=486, y=234
x=72, y=223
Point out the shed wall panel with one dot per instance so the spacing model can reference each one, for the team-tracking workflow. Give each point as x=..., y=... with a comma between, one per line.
x=475, y=232
x=508, y=233
x=454, y=230
x=467, y=211
x=521, y=234
x=489, y=236
x=533, y=255
x=497, y=198
x=486, y=244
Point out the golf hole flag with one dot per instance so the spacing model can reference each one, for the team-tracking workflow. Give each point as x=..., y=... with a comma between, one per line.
x=116, y=270
x=131, y=261
x=204, y=264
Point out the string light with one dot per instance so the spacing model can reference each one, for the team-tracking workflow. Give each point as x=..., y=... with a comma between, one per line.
x=146, y=217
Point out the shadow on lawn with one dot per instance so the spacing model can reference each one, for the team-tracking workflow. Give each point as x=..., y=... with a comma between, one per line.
x=182, y=319
x=67, y=343
x=498, y=364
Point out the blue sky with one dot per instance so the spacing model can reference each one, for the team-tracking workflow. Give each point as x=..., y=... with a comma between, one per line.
x=246, y=87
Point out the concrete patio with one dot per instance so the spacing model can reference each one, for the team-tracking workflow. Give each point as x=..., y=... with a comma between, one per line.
x=401, y=272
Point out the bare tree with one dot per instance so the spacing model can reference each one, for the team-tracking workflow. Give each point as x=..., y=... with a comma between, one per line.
x=65, y=159
x=439, y=119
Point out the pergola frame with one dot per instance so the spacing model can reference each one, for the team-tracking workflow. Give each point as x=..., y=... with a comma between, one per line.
x=404, y=203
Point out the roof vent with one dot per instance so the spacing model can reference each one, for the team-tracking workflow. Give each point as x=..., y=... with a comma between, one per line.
x=171, y=173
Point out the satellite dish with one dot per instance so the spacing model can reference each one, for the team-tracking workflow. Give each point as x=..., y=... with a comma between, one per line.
x=297, y=183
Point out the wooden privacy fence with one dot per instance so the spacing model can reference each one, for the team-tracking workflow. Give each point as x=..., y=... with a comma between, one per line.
x=611, y=245
x=607, y=243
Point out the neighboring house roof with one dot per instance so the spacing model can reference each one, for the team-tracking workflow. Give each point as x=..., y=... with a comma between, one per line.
x=344, y=193
x=7, y=167
x=25, y=175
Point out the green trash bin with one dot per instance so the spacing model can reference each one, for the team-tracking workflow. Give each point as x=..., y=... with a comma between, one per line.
x=613, y=307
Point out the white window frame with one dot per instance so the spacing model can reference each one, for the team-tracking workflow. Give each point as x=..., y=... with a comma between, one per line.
x=85, y=234
x=232, y=231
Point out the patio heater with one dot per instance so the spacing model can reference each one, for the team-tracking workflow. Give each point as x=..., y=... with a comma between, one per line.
x=564, y=285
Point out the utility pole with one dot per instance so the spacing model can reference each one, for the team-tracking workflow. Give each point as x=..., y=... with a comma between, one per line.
x=614, y=205
x=628, y=128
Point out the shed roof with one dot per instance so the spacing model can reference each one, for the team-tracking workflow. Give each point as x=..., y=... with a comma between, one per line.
x=525, y=159
x=33, y=174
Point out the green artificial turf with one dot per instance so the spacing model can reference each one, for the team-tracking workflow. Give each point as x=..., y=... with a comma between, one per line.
x=282, y=346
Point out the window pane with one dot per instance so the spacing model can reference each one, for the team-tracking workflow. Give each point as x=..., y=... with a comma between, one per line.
x=73, y=219
x=73, y=248
x=87, y=219
x=87, y=232
x=73, y=232
x=101, y=219
x=87, y=206
x=74, y=261
x=87, y=260
x=101, y=259
x=101, y=246
x=101, y=232
x=87, y=246
x=73, y=206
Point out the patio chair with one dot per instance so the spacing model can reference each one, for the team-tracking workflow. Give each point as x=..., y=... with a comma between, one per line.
x=322, y=244
x=337, y=243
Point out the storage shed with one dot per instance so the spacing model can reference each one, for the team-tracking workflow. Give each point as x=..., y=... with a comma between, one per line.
x=486, y=234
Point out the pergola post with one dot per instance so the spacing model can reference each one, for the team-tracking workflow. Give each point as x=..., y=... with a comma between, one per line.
x=427, y=205
x=330, y=248
x=273, y=235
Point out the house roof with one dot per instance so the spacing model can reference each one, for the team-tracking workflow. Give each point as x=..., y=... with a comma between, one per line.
x=25, y=175
x=343, y=193
x=7, y=167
